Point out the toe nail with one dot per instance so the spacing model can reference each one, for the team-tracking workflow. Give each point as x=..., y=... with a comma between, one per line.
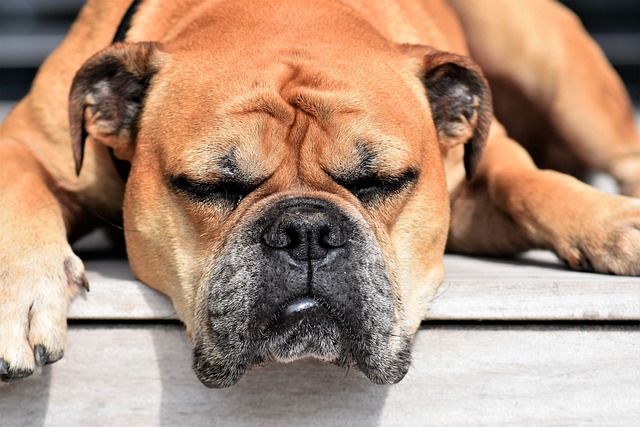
x=7, y=374
x=40, y=354
x=14, y=375
x=585, y=264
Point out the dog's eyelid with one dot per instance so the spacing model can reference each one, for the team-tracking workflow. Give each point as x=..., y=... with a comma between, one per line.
x=205, y=191
x=375, y=185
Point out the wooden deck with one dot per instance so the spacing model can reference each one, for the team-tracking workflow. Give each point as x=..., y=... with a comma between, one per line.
x=510, y=342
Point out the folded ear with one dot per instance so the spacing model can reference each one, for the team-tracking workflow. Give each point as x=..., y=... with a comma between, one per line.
x=460, y=101
x=107, y=95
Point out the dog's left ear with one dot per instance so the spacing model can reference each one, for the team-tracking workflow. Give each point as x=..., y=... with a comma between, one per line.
x=107, y=95
x=460, y=100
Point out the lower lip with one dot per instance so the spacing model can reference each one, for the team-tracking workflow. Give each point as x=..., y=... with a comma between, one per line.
x=299, y=306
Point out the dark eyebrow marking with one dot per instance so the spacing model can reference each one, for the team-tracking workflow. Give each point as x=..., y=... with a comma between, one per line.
x=367, y=160
x=365, y=164
x=224, y=167
x=228, y=163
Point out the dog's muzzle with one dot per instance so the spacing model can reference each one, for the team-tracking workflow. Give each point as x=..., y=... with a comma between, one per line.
x=302, y=279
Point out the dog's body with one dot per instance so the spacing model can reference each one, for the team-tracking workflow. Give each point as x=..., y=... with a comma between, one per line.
x=297, y=168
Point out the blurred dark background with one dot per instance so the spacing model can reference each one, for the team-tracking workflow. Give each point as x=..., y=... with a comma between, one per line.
x=30, y=29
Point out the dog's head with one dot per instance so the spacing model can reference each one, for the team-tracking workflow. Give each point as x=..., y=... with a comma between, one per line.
x=291, y=200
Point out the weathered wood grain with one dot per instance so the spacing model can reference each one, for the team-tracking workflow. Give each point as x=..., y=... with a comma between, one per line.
x=140, y=376
x=537, y=287
x=534, y=287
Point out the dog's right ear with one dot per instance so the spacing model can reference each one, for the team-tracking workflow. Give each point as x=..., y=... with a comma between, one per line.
x=107, y=95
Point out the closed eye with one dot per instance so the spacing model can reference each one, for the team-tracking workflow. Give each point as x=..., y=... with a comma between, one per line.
x=375, y=187
x=228, y=192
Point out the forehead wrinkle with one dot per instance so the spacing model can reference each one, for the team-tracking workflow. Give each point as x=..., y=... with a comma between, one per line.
x=262, y=102
x=324, y=106
x=315, y=93
x=283, y=88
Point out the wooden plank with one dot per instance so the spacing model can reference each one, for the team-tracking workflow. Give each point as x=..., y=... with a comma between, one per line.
x=578, y=376
x=116, y=294
x=536, y=287
x=533, y=287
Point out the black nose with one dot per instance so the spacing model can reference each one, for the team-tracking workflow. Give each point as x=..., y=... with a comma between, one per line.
x=307, y=231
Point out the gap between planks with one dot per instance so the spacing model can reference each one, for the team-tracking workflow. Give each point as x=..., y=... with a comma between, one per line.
x=533, y=288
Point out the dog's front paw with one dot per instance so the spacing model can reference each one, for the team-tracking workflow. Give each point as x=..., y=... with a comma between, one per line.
x=35, y=290
x=610, y=242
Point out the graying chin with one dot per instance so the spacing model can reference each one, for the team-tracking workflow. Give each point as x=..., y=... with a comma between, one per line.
x=349, y=318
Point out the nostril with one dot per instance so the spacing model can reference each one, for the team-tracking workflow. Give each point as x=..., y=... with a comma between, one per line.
x=278, y=238
x=333, y=237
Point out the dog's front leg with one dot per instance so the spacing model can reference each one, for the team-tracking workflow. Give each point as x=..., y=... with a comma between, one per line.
x=39, y=273
x=512, y=206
